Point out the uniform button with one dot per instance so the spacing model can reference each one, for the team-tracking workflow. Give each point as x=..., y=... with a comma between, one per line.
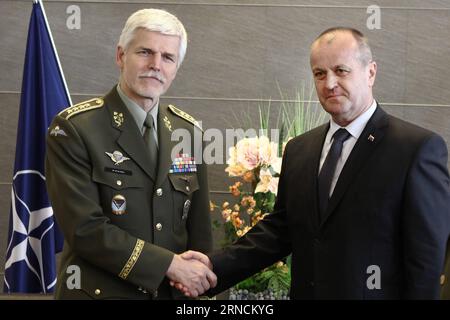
x=159, y=192
x=97, y=292
x=158, y=226
x=142, y=290
x=187, y=188
x=119, y=182
x=442, y=279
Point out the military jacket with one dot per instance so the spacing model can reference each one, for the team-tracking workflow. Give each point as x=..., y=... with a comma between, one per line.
x=123, y=223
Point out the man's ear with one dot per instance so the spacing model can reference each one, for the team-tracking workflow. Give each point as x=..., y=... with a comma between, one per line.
x=372, y=72
x=120, y=56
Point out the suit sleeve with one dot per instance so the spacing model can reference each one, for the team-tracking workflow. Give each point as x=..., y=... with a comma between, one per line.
x=76, y=203
x=266, y=243
x=426, y=218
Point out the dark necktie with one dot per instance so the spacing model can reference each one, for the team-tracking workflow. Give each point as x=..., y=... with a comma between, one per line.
x=328, y=168
x=149, y=139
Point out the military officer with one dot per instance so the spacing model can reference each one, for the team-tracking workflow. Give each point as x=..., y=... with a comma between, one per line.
x=127, y=206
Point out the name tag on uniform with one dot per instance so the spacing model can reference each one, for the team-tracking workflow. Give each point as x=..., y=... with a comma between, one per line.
x=119, y=171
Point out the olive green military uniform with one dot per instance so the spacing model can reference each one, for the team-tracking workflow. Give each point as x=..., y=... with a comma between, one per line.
x=122, y=224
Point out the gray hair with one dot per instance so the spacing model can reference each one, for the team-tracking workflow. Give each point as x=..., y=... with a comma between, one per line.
x=154, y=20
x=365, y=53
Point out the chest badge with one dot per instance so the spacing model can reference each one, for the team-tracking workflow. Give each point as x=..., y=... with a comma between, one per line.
x=118, y=205
x=183, y=163
x=117, y=157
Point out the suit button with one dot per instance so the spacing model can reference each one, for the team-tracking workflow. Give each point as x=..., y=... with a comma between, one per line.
x=119, y=182
x=442, y=279
x=97, y=292
x=159, y=192
x=158, y=226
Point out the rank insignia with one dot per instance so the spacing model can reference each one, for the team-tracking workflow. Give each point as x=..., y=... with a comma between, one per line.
x=117, y=157
x=183, y=163
x=118, y=204
x=167, y=123
x=57, y=131
x=118, y=118
x=186, y=206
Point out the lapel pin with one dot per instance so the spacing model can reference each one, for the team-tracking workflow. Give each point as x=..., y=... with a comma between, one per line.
x=117, y=157
x=167, y=123
x=371, y=138
x=118, y=118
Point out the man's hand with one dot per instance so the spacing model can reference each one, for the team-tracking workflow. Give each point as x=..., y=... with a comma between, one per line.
x=191, y=273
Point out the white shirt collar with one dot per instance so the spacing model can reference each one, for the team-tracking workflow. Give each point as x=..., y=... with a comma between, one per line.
x=356, y=127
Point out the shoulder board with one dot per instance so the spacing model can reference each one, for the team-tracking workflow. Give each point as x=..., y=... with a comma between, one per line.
x=81, y=107
x=185, y=116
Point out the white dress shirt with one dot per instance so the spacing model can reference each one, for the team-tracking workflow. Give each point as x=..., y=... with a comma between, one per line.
x=355, y=128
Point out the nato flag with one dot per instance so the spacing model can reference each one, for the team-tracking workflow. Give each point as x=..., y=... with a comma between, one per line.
x=34, y=238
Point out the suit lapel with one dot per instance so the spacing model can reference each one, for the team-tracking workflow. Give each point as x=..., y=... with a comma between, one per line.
x=130, y=138
x=166, y=145
x=318, y=142
x=372, y=134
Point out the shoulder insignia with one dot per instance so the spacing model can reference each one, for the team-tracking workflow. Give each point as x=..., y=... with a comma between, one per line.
x=185, y=116
x=81, y=107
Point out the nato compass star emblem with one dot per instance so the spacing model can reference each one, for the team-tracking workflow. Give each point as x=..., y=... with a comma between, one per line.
x=33, y=240
x=117, y=157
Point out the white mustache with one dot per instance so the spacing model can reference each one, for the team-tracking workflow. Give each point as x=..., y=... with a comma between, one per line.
x=154, y=74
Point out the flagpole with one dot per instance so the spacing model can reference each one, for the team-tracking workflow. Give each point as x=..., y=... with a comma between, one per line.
x=54, y=49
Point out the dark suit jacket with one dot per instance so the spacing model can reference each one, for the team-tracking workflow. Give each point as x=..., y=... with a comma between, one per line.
x=122, y=255
x=389, y=209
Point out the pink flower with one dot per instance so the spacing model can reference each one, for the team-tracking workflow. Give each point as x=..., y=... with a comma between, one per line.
x=247, y=154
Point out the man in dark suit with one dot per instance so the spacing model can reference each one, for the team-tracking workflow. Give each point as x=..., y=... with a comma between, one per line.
x=126, y=205
x=363, y=201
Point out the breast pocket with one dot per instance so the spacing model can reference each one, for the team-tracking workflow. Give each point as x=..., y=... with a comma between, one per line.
x=122, y=197
x=184, y=187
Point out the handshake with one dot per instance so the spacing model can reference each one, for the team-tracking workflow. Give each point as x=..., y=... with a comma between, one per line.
x=191, y=273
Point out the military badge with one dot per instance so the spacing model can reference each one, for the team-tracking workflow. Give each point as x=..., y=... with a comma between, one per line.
x=56, y=131
x=118, y=204
x=183, y=164
x=118, y=118
x=186, y=206
x=117, y=157
x=167, y=123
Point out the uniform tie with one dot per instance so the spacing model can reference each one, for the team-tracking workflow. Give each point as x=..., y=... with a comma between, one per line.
x=149, y=139
x=328, y=168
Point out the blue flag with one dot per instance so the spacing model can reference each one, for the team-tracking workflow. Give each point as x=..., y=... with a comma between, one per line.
x=34, y=238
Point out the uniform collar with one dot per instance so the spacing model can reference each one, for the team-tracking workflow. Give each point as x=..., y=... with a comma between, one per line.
x=137, y=112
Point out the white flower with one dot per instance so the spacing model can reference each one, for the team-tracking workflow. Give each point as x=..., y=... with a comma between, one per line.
x=267, y=182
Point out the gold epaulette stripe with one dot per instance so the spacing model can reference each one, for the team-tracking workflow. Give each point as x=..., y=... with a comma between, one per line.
x=132, y=260
x=185, y=116
x=81, y=107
